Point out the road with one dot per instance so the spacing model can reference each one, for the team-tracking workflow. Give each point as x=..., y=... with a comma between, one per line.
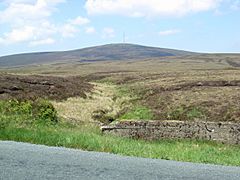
x=22, y=161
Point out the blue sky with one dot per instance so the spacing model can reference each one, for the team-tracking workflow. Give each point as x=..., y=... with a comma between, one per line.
x=49, y=25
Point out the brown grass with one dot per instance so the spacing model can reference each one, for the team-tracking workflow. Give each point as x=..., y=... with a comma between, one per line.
x=102, y=105
x=174, y=85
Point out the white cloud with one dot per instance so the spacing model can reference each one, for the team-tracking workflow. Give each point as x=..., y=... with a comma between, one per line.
x=31, y=1
x=19, y=11
x=29, y=21
x=72, y=26
x=17, y=1
x=108, y=32
x=18, y=35
x=68, y=30
x=148, y=8
x=236, y=5
x=42, y=42
x=1, y=40
x=169, y=32
x=79, y=21
x=90, y=30
x=25, y=34
x=29, y=33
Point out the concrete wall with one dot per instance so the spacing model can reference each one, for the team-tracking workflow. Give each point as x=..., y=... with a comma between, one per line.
x=154, y=130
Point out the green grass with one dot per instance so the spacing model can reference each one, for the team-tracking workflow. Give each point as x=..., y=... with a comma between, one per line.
x=24, y=122
x=27, y=113
x=183, y=113
x=138, y=113
x=91, y=139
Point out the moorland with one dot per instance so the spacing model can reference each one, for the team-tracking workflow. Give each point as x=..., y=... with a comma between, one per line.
x=63, y=103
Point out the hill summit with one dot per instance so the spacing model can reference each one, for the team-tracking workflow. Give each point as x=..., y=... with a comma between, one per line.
x=109, y=52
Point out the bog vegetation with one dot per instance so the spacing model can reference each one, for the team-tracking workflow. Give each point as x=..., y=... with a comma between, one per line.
x=36, y=122
x=27, y=113
x=71, y=108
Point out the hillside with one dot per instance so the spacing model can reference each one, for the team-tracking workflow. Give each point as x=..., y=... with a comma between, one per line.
x=98, y=53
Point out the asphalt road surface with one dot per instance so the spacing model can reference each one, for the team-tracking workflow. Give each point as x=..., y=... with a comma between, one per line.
x=23, y=161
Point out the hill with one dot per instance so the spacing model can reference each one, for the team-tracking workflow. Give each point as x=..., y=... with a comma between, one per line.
x=107, y=52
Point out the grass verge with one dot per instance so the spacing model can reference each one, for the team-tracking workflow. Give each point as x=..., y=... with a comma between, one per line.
x=91, y=139
x=35, y=122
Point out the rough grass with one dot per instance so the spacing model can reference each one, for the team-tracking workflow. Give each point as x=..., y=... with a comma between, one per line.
x=147, y=79
x=138, y=113
x=183, y=113
x=106, y=101
x=27, y=113
x=89, y=138
x=34, y=123
x=159, y=65
x=200, y=95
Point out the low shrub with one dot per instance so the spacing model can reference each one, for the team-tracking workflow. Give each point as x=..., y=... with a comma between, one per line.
x=27, y=112
x=44, y=111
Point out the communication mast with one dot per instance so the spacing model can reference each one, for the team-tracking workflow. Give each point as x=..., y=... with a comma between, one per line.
x=124, y=38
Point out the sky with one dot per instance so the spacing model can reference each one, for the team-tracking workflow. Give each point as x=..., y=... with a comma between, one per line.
x=55, y=25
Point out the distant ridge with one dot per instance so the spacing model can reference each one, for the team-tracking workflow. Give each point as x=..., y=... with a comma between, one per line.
x=109, y=52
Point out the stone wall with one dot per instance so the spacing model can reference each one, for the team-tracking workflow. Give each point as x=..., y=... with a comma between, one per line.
x=154, y=130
